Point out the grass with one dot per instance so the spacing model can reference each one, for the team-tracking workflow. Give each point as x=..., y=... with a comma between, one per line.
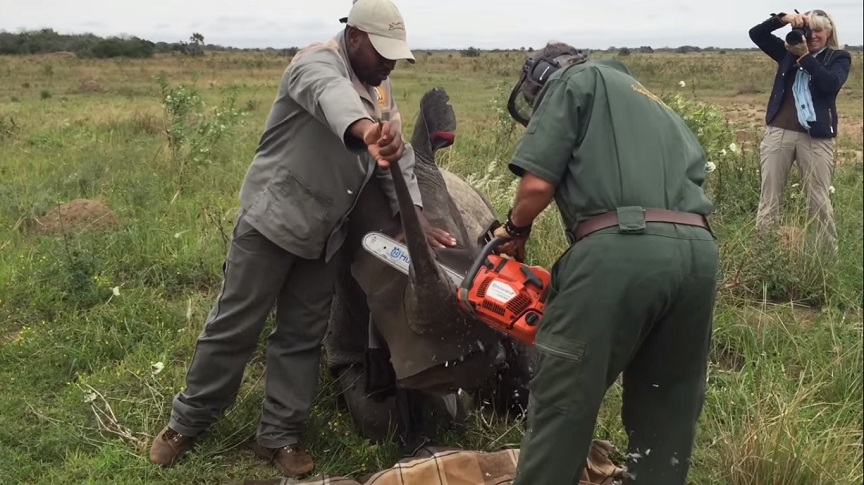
x=96, y=328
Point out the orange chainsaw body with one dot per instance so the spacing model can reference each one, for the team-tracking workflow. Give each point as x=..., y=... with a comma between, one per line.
x=505, y=294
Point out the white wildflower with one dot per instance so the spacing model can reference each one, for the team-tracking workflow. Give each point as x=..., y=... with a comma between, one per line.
x=794, y=186
x=116, y=291
x=157, y=368
x=723, y=152
x=681, y=83
x=710, y=167
x=733, y=147
x=831, y=189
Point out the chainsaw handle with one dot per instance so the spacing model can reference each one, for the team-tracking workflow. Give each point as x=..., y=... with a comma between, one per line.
x=488, y=249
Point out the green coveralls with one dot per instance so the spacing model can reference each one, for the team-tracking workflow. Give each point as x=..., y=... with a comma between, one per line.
x=637, y=299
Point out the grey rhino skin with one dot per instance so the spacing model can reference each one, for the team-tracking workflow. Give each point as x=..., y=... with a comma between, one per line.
x=428, y=347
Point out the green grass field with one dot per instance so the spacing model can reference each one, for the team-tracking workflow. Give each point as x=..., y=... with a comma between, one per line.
x=97, y=327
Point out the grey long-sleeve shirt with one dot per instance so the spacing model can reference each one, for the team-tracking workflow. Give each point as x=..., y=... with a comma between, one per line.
x=306, y=174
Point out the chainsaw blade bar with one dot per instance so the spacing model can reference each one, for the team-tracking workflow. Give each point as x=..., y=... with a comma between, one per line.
x=395, y=254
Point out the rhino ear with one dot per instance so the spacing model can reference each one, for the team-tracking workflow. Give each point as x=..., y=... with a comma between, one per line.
x=436, y=122
x=442, y=139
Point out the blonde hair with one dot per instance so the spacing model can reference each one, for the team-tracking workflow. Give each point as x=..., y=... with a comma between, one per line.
x=820, y=20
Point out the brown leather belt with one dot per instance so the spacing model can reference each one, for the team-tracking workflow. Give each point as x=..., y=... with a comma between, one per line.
x=610, y=219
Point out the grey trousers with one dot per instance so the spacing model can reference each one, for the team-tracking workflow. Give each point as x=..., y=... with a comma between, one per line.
x=258, y=274
x=815, y=158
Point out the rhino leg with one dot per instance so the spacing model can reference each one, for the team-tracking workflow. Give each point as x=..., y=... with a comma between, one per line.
x=401, y=416
x=345, y=350
x=378, y=419
x=345, y=341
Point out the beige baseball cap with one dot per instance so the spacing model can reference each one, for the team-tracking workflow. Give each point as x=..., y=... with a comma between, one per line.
x=381, y=20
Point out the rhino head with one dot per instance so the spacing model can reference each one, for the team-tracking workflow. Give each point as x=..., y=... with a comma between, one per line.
x=434, y=346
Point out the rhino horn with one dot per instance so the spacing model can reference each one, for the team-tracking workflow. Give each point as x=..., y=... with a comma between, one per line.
x=430, y=298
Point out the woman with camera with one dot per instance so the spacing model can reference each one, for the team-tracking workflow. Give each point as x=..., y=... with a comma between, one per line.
x=801, y=114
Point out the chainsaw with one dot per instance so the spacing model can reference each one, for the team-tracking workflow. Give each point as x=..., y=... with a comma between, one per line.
x=499, y=291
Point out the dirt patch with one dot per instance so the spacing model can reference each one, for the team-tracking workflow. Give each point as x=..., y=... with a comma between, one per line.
x=791, y=238
x=851, y=127
x=849, y=156
x=727, y=357
x=10, y=336
x=77, y=215
x=90, y=86
x=59, y=55
x=748, y=139
x=752, y=116
x=805, y=316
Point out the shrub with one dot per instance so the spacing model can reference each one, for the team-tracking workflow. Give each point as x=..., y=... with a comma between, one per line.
x=194, y=135
x=733, y=181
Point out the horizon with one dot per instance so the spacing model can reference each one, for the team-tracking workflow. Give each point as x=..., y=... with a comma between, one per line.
x=125, y=35
x=483, y=24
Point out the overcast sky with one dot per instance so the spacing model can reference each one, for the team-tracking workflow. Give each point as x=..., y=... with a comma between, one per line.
x=438, y=24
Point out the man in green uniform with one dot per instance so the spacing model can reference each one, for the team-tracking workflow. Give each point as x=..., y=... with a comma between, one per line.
x=317, y=153
x=634, y=293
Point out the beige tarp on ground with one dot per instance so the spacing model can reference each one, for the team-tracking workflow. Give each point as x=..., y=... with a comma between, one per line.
x=465, y=467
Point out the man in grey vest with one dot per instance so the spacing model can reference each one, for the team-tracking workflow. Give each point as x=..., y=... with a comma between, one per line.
x=321, y=146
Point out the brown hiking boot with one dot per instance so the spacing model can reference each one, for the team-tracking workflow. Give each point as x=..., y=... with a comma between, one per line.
x=169, y=446
x=291, y=460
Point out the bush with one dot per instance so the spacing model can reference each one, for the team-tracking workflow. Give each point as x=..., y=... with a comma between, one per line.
x=116, y=47
x=733, y=181
x=470, y=52
x=194, y=135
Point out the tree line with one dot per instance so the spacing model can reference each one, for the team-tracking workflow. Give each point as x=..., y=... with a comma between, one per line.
x=46, y=41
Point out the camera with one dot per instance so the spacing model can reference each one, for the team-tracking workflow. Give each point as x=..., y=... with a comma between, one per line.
x=797, y=36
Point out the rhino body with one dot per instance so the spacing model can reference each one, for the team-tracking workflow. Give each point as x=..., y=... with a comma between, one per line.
x=421, y=348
